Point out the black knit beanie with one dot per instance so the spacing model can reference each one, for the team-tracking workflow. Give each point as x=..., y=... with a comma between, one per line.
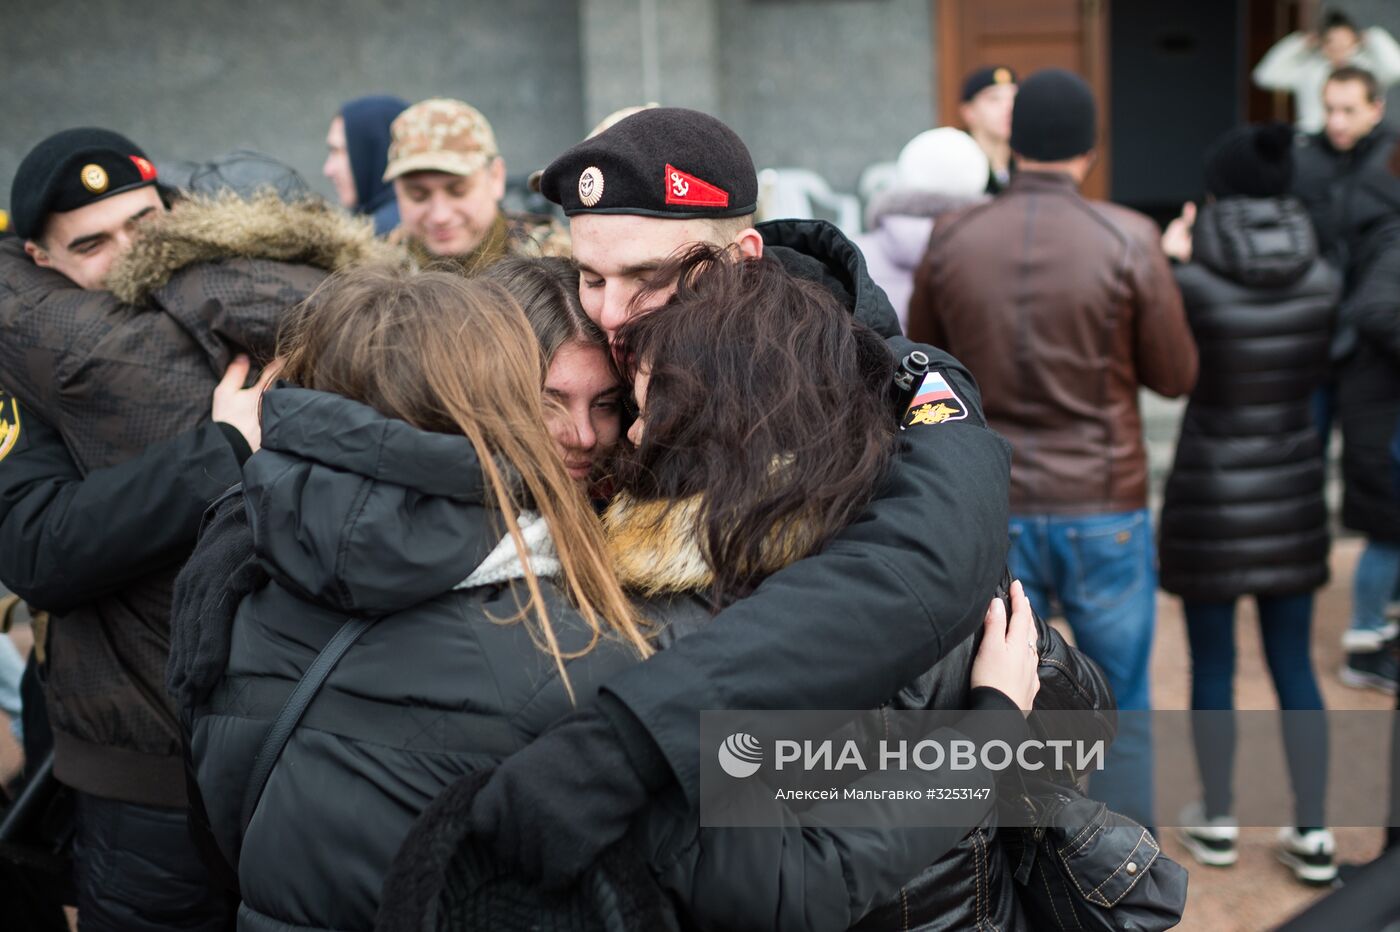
x=1054, y=117
x=1251, y=161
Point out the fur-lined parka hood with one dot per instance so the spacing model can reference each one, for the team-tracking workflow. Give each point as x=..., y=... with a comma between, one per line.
x=915, y=202
x=204, y=229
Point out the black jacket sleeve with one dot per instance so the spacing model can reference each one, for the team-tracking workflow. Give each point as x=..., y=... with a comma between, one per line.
x=817, y=871
x=66, y=538
x=846, y=628
x=1374, y=305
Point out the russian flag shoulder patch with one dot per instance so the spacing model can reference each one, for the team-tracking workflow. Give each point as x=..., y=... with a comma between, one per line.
x=934, y=403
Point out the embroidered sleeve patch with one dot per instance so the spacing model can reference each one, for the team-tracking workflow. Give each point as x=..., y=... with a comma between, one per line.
x=934, y=403
x=9, y=423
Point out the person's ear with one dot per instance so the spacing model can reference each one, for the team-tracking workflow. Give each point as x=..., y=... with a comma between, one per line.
x=1090, y=159
x=498, y=178
x=38, y=254
x=749, y=242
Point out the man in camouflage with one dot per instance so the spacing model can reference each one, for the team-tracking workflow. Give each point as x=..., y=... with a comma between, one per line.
x=449, y=179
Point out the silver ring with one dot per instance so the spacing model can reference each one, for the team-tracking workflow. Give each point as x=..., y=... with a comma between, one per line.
x=1035, y=649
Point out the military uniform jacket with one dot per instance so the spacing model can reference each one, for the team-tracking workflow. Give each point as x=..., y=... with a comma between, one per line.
x=96, y=378
x=512, y=234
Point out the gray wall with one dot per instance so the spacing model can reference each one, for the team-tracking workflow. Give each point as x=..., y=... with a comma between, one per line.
x=831, y=85
x=825, y=84
x=194, y=79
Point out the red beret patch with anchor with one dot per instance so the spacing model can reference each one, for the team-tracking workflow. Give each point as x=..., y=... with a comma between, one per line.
x=684, y=188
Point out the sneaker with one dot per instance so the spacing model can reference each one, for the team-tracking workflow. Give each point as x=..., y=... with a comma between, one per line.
x=1311, y=855
x=1374, y=669
x=1361, y=640
x=1213, y=842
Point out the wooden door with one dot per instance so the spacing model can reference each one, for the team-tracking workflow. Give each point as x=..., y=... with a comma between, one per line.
x=1026, y=35
x=1267, y=21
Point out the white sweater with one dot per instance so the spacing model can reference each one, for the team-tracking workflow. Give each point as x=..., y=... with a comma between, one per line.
x=1291, y=66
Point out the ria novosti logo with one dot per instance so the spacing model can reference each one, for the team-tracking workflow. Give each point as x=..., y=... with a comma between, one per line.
x=740, y=755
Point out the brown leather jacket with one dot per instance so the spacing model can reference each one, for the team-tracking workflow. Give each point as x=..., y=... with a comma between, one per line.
x=1061, y=307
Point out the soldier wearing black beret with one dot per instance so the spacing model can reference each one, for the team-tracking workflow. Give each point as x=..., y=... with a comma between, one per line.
x=985, y=108
x=636, y=194
x=117, y=317
x=64, y=175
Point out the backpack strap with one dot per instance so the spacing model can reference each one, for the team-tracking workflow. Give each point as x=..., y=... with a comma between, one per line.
x=294, y=708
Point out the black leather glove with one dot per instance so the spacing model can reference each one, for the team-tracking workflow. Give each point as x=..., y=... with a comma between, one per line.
x=552, y=807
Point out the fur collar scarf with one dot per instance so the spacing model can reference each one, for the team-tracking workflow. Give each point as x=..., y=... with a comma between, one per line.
x=203, y=229
x=655, y=546
x=914, y=202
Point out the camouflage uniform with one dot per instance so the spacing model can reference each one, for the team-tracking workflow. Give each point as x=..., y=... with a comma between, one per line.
x=442, y=135
x=513, y=234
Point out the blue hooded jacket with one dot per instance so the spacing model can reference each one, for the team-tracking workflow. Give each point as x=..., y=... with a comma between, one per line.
x=367, y=121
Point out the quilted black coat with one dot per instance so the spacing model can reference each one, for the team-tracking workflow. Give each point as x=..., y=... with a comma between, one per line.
x=1244, y=511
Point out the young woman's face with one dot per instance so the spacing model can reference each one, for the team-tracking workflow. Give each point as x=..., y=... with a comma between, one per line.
x=585, y=385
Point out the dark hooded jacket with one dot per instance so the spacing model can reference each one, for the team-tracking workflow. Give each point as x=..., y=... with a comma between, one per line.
x=113, y=372
x=895, y=591
x=901, y=877
x=1244, y=511
x=367, y=121
x=1368, y=379
x=353, y=514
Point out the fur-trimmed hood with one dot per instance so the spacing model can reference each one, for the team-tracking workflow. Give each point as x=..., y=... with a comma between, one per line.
x=915, y=202
x=655, y=547
x=203, y=229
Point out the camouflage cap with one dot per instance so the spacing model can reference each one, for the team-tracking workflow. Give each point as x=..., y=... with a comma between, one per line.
x=440, y=135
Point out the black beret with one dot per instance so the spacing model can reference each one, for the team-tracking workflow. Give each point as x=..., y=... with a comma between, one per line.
x=983, y=78
x=1054, y=117
x=72, y=169
x=665, y=162
x=1251, y=161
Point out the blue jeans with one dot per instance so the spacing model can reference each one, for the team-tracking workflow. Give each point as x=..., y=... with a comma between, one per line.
x=1374, y=585
x=1285, y=623
x=1101, y=571
x=11, y=671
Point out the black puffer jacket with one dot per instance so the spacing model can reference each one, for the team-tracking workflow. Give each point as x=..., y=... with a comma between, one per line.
x=1243, y=511
x=834, y=880
x=355, y=514
x=1368, y=380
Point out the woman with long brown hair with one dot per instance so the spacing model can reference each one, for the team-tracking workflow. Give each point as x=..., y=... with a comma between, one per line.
x=764, y=425
x=407, y=474
x=582, y=388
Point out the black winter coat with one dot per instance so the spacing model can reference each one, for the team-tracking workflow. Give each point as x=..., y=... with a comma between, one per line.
x=1368, y=380
x=1329, y=183
x=901, y=587
x=1243, y=511
x=355, y=514
x=771, y=881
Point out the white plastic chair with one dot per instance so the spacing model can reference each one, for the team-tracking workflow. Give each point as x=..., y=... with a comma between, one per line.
x=803, y=194
x=877, y=178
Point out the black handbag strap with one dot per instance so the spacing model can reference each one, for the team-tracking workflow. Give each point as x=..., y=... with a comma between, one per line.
x=294, y=708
